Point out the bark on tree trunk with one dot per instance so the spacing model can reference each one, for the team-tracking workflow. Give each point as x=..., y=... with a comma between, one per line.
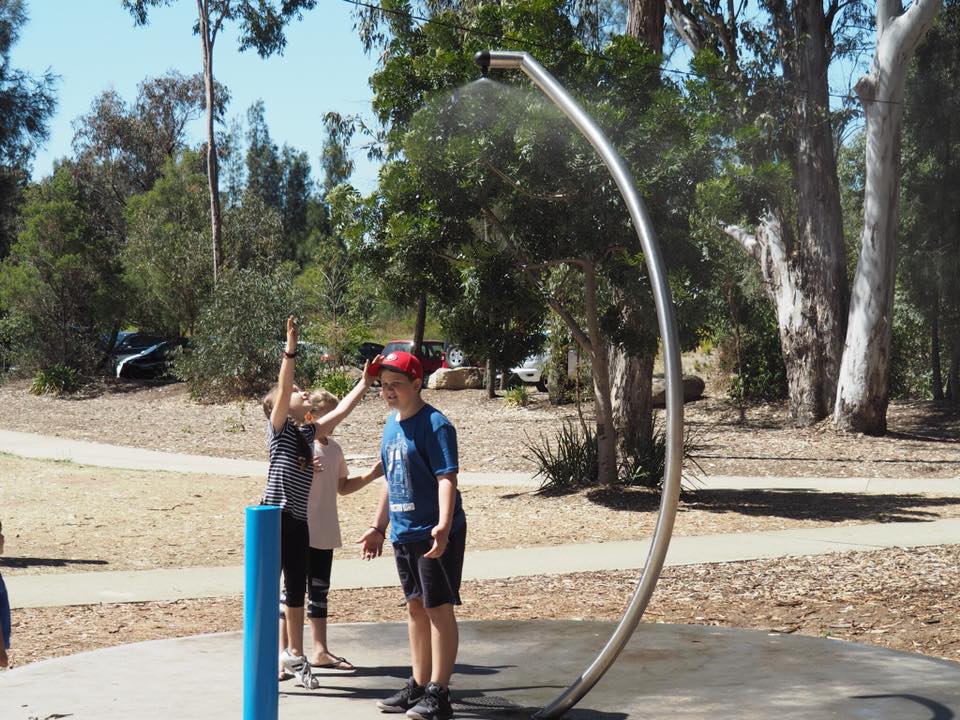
x=489, y=380
x=953, y=377
x=936, y=371
x=631, y=392
x=421, y=323
x=798, y=306
x=821, y=273
x=863, y=388
x=213, y=180
x=631, y=376
x=645, y=21
x=606, y=437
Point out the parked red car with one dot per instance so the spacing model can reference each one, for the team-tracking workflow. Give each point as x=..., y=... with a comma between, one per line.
x=430, y=355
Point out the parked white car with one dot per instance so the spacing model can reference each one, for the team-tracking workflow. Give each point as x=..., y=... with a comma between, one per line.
x=531, y=372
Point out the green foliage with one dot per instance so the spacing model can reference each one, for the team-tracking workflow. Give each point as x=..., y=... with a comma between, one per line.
x=167, y=255
x=751, y=352
x=928, y=253
x=910, y=373
x=335, y=381
x=518, y=396
x=59, y=279
x=55, y=380
x=646, y=469
x=27, y=103
x=569, y=463
x=235, y=350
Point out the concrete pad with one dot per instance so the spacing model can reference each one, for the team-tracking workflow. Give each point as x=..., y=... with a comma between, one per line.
x=507, y=670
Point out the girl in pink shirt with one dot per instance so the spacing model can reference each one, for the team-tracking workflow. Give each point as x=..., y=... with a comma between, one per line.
x=330, y=478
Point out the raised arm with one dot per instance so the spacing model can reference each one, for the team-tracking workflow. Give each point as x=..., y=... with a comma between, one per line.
x=278, y=416
x=328, y=422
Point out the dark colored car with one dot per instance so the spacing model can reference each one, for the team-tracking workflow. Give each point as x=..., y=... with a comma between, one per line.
x=367, y=351
x=152, y=363
x=431, y=355
x=129, y=343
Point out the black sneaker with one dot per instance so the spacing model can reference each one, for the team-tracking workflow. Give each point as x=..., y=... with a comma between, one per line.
x=434, y=705
x=403, y=700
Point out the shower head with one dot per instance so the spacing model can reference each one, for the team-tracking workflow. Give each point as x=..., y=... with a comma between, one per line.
x=499, y=60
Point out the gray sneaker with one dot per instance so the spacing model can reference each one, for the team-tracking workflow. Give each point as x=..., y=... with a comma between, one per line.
x=403, y=700
x=434, y=705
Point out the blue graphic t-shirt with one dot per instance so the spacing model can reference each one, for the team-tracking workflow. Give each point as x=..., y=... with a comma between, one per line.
x=414, y=451
x=4, y=614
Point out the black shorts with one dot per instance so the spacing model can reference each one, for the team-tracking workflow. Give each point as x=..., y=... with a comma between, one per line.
x=435, y=581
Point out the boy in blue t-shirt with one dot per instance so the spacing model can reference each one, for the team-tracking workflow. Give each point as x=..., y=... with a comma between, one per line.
x=421, y=502
x=4, y=615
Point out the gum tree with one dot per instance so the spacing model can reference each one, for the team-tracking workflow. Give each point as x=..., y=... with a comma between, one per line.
x=261, y=25
x=863, y=386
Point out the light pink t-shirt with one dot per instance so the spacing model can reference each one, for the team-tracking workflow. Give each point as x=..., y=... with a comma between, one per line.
x=322, y=519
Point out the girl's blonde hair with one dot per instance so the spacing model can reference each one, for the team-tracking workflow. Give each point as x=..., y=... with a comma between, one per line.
x=324, y=399
x=270, y=399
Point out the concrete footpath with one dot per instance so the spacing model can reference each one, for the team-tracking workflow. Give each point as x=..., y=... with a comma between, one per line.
x=184, y=583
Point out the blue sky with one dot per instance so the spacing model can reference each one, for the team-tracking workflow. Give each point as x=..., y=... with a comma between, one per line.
x=93, y=45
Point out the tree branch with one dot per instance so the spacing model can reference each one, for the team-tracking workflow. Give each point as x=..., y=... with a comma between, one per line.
x=517, y=185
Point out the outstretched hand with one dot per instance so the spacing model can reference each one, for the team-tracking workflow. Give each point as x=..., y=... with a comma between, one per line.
x=293, y=332
x=371, y=544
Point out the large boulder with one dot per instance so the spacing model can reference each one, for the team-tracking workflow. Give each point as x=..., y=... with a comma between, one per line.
x=692, y=390
x=461, y=378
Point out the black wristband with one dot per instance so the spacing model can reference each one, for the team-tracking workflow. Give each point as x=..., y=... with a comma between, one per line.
x=382, y=533
x=289, y=354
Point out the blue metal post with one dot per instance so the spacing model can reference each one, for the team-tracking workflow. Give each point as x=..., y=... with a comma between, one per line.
x=261, y=598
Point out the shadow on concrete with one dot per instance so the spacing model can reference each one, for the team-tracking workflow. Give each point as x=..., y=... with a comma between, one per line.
x=797, y=504
x=940, y=712
x=25, y=562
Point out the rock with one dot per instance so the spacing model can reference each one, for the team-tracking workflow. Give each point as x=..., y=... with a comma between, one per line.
x=692, y=389
x=461, y=378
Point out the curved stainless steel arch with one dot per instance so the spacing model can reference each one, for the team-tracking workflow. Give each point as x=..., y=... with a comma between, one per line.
x=505, y=60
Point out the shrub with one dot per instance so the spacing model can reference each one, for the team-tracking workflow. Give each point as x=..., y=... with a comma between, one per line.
x=335, y=381
x=55, y=380
x=236, y=348
x=646, y=468
x=571, y=465
x=518, y=396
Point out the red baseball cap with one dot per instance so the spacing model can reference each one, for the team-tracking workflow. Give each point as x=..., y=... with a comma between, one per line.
x=401, y=362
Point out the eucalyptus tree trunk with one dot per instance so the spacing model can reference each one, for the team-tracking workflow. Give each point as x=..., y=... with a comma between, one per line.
x=490, y=379
x=800, y=252
x=936, y=371
x=953, y=377
x=631, y=394
x=645, y=21
x=799, y=298
x=208, y=37
x=863, y=388
x=631, y=373
x=420, y=324
x=606, y=435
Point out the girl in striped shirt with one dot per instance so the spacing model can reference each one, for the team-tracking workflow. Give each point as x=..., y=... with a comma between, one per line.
x=291, y=431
